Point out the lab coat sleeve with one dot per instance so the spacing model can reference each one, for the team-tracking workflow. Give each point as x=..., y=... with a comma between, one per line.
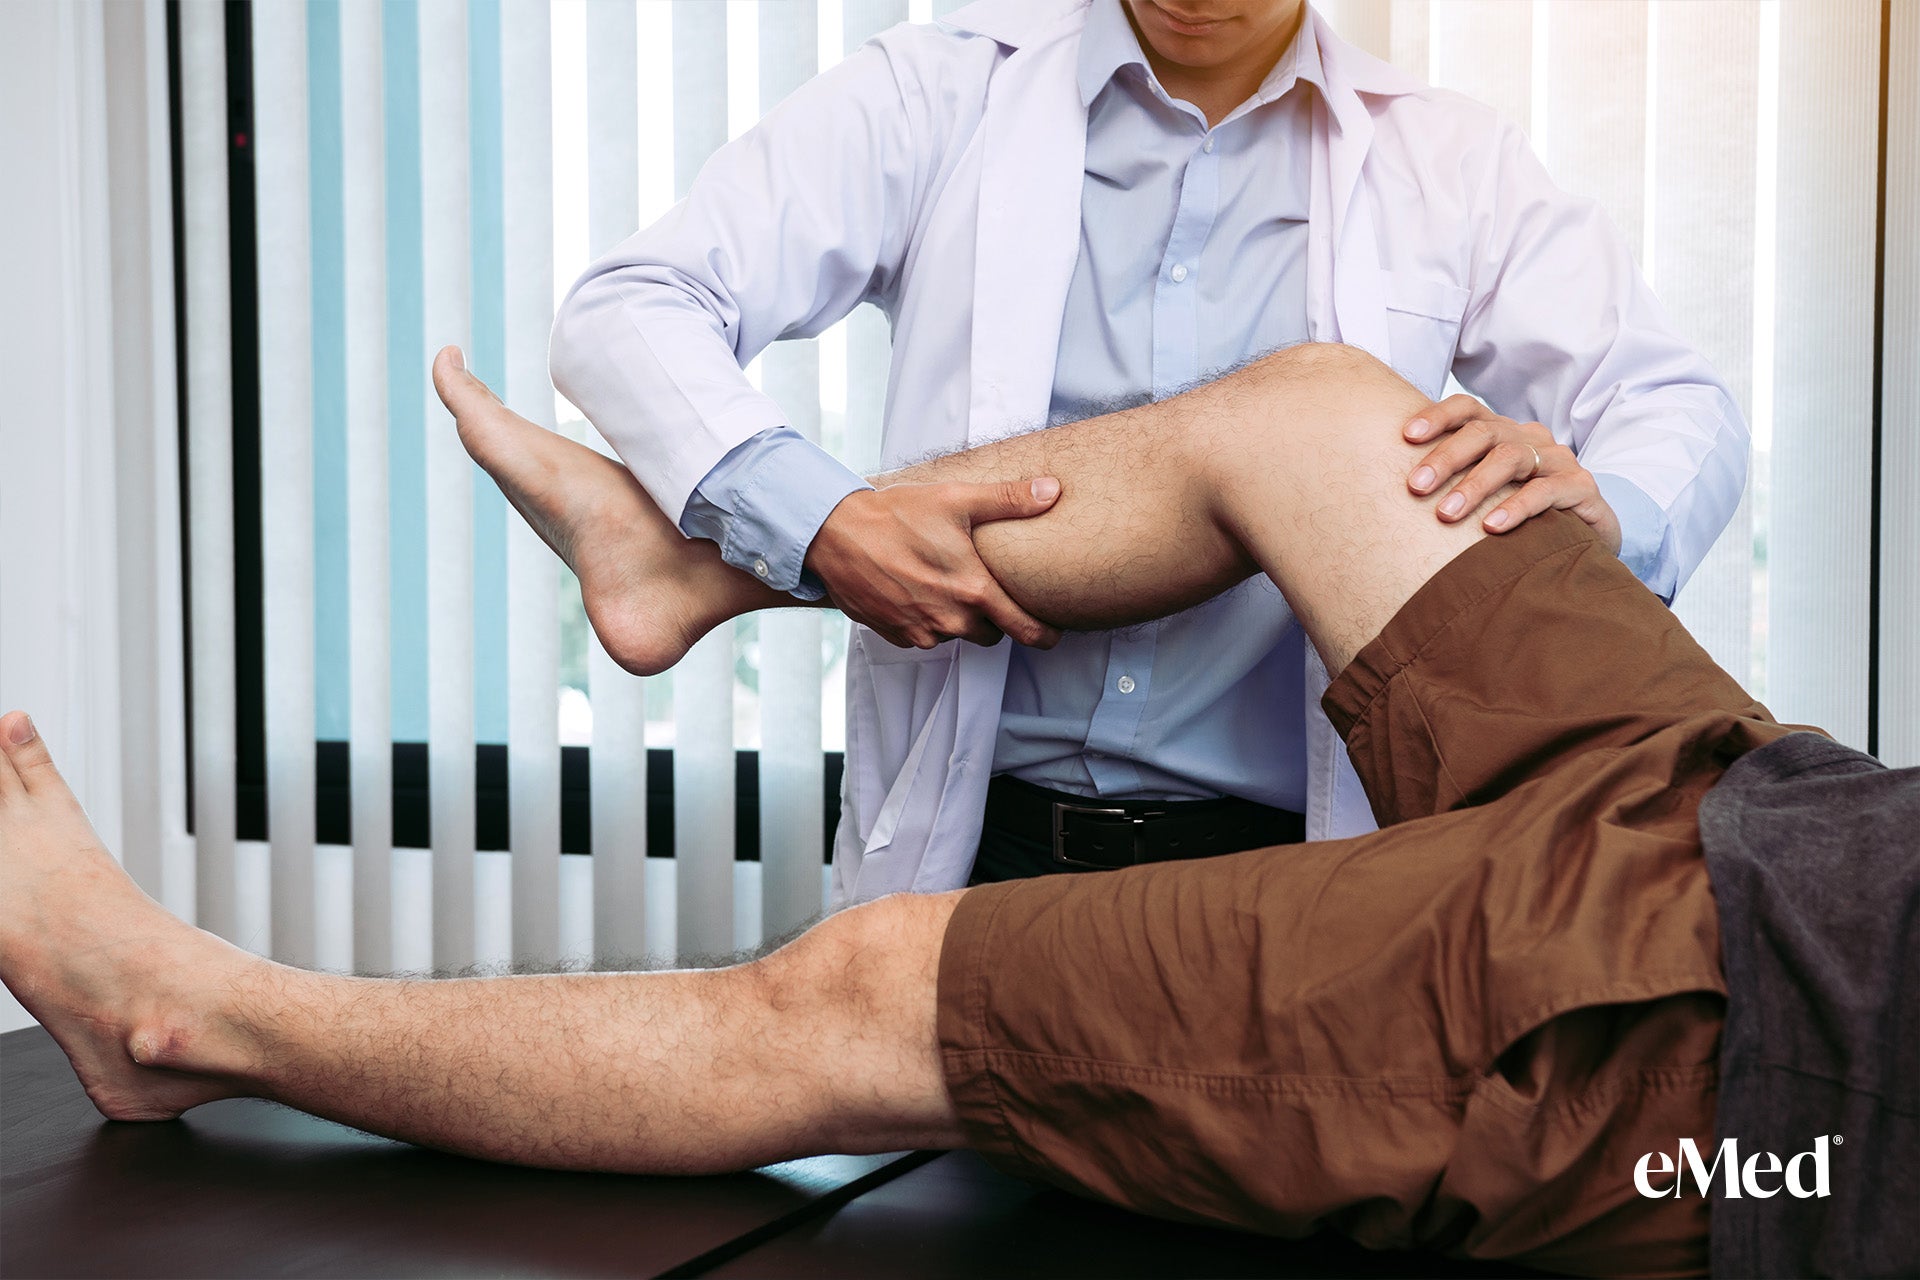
x=1561, y=328
x=785, y=230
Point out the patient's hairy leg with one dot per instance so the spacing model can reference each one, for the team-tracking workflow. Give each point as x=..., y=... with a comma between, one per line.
x=826, y=1045
x=1293, y=465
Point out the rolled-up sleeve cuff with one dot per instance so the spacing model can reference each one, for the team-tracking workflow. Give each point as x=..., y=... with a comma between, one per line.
x=764, y=503
x=1646, y=536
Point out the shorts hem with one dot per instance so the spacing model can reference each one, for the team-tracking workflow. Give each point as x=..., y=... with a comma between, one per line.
x=962, y=1031
x=1463, y=582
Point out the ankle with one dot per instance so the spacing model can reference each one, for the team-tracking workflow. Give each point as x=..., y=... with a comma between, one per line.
x=210, y=1026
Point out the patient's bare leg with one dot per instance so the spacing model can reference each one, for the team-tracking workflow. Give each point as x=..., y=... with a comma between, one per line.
x=1293, y=465
x=826, y=1045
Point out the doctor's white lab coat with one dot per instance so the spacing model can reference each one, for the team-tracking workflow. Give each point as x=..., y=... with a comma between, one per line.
x=937, y=171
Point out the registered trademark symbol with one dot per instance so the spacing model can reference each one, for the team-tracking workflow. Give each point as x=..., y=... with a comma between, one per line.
x=1837, y=1139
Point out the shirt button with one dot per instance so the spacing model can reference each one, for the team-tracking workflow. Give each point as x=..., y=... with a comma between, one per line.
x=1126, y=684
x=760, y=567
x=1179, y=273
x=1207, y=146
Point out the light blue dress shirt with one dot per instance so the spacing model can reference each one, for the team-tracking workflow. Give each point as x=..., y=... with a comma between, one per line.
x=1192, y=262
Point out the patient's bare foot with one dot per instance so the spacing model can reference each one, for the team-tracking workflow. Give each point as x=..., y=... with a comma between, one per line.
x=116, y=979
x=650, y=591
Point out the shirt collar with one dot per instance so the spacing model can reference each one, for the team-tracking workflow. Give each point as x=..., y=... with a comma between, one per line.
x=1108, y=44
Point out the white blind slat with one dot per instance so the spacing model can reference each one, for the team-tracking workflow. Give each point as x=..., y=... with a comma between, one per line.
x=1702, y=244
x=369, y=607
x=1410, y=37
x=145, y=457
x=1900, y=404
x=174, y=889
x=792, y=767
x=1366, y=23
x=447, y=308
x=618, y=759
x=613, y=123
x=203, y=112
x=1823, y=368
x=703, y=761
x=1484, y=49
x=869, y=346
x=1590, y=113
x=533, y=577
x=861, y=19
x=286, y=464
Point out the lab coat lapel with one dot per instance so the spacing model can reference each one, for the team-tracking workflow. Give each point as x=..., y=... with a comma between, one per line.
x=1032, y=156
x=1034, y=140
x=1033, y=160
x=1346, y=302
x=1349, y=257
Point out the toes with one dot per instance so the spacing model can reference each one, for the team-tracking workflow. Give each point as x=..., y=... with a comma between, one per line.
x=28, y=760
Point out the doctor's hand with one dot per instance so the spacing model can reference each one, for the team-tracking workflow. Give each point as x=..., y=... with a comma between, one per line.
x=1493, y=450
x=902, y=561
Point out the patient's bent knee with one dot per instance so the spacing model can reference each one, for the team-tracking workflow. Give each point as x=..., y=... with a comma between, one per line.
x=1338, y=401
x=1325, y=359
x=1353, y=375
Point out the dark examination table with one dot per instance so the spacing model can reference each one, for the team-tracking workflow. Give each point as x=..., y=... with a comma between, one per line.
x=246, y=1188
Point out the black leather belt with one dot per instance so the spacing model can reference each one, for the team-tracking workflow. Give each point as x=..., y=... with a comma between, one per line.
x=1097, y=834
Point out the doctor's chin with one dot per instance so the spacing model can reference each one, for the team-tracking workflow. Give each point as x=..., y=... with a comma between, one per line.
x=770, y=638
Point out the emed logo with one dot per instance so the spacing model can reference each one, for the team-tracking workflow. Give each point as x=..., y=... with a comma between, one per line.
x=1740, y=1179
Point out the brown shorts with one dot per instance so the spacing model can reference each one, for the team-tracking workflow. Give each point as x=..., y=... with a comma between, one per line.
x=1459, y=1032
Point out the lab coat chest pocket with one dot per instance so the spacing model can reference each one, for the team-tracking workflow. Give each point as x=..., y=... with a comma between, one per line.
x=1423, y=327
x=894, y=706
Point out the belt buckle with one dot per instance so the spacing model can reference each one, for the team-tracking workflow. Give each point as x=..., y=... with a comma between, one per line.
x=1061, y=809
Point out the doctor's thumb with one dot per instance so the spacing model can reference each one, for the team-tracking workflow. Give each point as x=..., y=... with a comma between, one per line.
x=459, y=390
x=1012, y=499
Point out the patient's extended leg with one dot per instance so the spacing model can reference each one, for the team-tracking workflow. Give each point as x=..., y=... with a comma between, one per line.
x=1293, y=465
x=825, y=1045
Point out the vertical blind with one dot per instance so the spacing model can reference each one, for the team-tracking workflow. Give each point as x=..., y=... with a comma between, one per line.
x=431, y=172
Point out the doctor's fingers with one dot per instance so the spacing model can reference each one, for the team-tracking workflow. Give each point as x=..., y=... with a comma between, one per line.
x=1443, y=416
x=1005, y=615
x=979, y=610
x=1574, y=491
x=1475, y=440
x=937, y=625
x=1510, y=461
